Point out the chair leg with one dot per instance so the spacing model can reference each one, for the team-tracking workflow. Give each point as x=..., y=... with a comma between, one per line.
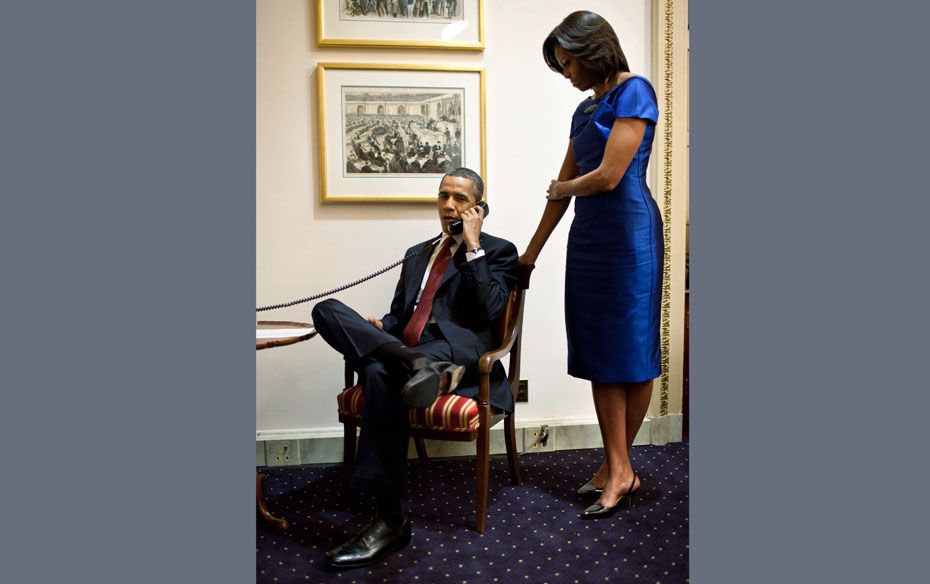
x=263, y=512
x=512, y=458
x=421, y=450
x=482, y=461
x=348, y=457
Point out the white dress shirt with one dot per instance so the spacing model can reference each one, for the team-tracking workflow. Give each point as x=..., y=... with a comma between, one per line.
x=469, y=256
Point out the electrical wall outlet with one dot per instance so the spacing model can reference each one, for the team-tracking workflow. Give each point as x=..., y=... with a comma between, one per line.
x=539, y=439
x=282, y=452
x=523, y=391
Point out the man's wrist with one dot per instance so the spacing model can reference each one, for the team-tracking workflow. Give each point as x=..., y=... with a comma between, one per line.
x=473, y=253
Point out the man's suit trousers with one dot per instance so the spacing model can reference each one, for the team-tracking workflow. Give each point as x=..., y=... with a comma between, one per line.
x=381, y=460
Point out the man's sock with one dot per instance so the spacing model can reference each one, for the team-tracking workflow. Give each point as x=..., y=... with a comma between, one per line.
x=397, y=352
x=391, y=508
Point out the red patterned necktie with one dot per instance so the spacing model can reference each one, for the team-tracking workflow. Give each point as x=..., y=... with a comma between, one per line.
x=420, y=316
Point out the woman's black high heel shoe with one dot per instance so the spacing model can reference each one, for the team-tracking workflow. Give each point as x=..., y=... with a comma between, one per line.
x=589, y=489
x=597, y=511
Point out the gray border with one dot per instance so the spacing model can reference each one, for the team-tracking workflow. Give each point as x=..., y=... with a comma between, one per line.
x=128, y=223
x=808, y=292
x=128, y=179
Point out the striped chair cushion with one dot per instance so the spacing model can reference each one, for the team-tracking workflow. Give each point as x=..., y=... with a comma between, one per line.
x=448, y=412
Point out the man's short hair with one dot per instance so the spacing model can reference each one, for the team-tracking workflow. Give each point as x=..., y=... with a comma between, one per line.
x=476, y=182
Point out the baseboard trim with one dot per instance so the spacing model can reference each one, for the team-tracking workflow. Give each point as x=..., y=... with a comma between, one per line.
x=324, y=445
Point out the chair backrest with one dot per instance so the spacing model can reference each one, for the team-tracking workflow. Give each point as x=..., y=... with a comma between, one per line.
x=514, y=301
x=511, y=325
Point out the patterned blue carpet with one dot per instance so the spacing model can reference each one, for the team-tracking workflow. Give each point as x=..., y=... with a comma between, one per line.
x=533, y=533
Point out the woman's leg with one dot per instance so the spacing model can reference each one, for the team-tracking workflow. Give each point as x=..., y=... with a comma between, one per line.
x=611, y=405
x=600, y=477
x=638, y=396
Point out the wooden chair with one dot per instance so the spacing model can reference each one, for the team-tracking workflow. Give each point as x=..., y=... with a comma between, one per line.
x=453, y=417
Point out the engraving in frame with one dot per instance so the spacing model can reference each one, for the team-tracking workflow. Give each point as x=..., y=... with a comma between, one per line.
x=401, y=24
x=387, y=132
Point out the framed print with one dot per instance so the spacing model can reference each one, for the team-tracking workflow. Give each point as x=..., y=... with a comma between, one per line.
x=388, y=133
x=412, y=24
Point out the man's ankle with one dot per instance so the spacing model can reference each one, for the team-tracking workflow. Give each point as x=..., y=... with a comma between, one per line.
x=398, y=352
x=391, y=510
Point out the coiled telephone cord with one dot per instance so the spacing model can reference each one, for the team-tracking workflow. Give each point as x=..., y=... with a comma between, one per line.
x=349, y=285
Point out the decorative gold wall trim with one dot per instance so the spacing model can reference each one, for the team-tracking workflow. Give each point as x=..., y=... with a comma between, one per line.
x=667, y=120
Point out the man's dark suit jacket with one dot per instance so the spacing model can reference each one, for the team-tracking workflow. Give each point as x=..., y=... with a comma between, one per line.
x=467, y=307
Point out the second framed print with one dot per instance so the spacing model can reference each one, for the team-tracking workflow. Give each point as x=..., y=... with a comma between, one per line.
x=388, y=133
x=411, y=24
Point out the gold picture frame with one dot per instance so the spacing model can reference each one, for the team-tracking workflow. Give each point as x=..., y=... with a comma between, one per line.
x=387, y=133
x=451, y=24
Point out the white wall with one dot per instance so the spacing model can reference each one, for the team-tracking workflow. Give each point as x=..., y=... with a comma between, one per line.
x=304, y=247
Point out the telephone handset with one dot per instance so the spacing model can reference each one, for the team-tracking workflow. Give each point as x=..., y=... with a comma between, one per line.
x=454, y=229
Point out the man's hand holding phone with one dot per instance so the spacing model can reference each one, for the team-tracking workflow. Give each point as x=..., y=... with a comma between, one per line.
x=472, y=220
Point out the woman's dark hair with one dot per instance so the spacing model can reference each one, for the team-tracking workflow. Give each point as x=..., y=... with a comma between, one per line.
x=590, y=38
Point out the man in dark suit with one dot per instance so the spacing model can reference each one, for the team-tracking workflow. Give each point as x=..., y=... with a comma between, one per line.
x=444, y=315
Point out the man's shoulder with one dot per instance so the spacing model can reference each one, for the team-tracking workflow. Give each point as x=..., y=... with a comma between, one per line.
x=422, y=245
x=487, y=240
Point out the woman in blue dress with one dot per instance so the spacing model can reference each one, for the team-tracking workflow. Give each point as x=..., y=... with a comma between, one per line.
x=613, y=273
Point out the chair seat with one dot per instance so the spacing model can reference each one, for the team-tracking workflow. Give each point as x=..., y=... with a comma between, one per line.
x=449, y=412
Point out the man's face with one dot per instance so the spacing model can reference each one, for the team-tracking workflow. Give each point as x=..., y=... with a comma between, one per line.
x=574, y=69
x=456, y=194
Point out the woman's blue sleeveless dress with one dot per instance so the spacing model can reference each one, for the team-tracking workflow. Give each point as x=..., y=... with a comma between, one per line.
x=613, y=274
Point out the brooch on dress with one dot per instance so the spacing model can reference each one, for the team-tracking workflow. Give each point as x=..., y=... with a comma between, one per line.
x=590, y=108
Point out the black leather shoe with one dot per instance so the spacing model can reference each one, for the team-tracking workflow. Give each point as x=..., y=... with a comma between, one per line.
x=598, y=511
x=368, y=547
x=589, y=489
x=430, y=380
